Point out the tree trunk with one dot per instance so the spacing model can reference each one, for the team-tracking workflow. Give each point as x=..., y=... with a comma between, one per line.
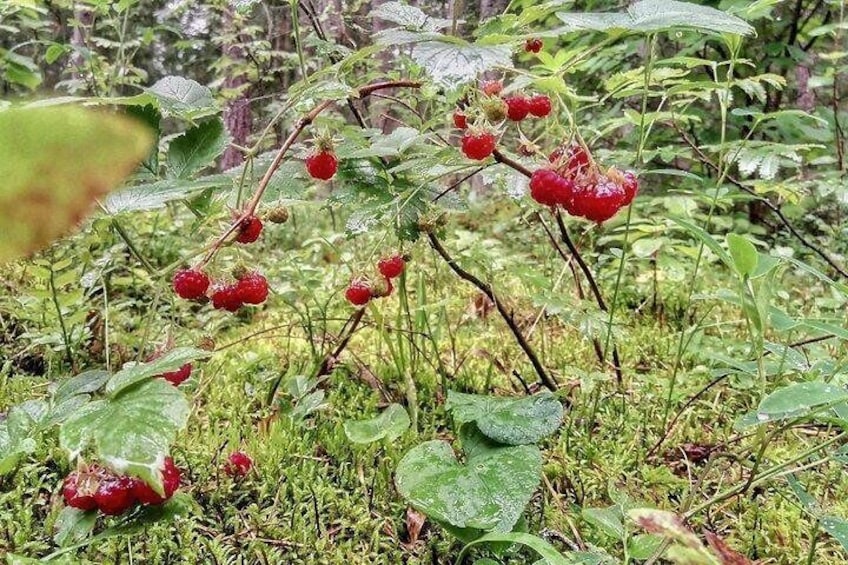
x=237, y=116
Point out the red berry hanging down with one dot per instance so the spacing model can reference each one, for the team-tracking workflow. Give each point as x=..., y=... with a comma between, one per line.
x=478, y=146
x=252, y=288
x=249, y=230
x=391, y=267
x=190, y=284
x=602, y=201
x=358, y=292
x=322, y=165
x=238, y=464
x=517, y=107
x=170, y=481
x=115, y=495
x=178, y=376
x=540, y=105
x=460, y=120
x=550, y=189
x=533, y=45
x=78, y=491
x=227, y=297
x=630, y=186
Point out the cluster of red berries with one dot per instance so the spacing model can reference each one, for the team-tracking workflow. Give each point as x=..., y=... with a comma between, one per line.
x=111, y=494
x=533, y=45
x=249, y=288
x=480, y=143
x=575, y=183
x=360, y=291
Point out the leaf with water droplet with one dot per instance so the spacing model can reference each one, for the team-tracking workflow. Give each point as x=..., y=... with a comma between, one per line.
x=513, y=421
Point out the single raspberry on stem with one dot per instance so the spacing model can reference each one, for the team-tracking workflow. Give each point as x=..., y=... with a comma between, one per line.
x=479, y=145
x=190, y=284
x=249, y=230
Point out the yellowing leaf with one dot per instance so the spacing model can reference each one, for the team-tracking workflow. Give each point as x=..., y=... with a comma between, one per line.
x=54, y=163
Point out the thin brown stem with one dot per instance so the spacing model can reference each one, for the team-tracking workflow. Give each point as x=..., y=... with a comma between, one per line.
x=505, y=314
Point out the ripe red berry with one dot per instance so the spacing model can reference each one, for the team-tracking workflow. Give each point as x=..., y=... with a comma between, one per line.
x=578, y=160
x=238, y=464
x=630, y=186
x=190, y=284
x=170, y=481
x=533, y=45
x=227, y=297
x=322, y=165
x=491, y=87
x=550, y=189
x=603, y=201
x=76, y=494
x=115, y=495
x=517, y=107
x=540, y=105
x=391, y=267
x=478, y=146
x=178, y=376
x=253, y=288
x=358, y=292
x=249, y=230
x=460, y=120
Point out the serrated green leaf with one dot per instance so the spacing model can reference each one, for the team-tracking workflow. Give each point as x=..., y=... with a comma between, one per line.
x=183, y=98
x=169, y=361
x=489, y=492
x=452, y=64
x=649, y=16
x=513, y=421
x=196, y=148
x=55, y=162
x=409, y=17
x=132, y=432
x=155, y=195
x=389, y=425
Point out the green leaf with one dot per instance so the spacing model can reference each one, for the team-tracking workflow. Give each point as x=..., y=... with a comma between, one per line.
x=799, y=399
x=649, y=16
x=156, y=195
x=84, y=383
x=169, y=361
x=73, y=526
x=513, y=421
x=389, y=425
x=608, y=520
x=409, y=17
x=55, y=162
x=183, y=98
x=744, y=254
x=837, y=528
x=537, y=544
x=196, y=148
x=706, y=239
x=131, y=432
x=489, y=492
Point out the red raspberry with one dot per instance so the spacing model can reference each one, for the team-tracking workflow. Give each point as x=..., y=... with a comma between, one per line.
x=358, y=292
x=460, y=120
x=550, y=189
x=190, y=284
x=517, y=107
x=603, y=201
x=322, y=165
x=253, y=288
x=178, y=376
x=249, y=230
x=533, y=45
x=391, y=267
x=540, y=105
x=238, y=464
x=227, y=297
x=115, y=495
x=491, y=87
x=71, y=487
x=170, y=480
x=478, y=146
x=630, y=186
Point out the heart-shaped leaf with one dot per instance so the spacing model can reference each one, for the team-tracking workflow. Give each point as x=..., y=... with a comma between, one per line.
x=55, y=162
x=514, y=421
x=131, y=432
x=389, y=425
x=488, y=493
x=169, y=361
